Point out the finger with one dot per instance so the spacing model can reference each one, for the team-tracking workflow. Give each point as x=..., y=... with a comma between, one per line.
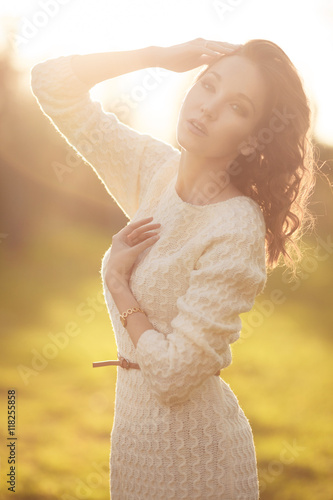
x=140, y=230
x=208, y=55
x=145, y=244
x=221, y=47
x=135, y=240
x=133, y=225
x=216, y=43
x=141, y=235
x=227, y=45
x=209, y=52
x=216, y=52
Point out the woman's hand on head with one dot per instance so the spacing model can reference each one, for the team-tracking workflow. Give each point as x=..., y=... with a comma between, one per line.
x=189, y=55
x=126, y=246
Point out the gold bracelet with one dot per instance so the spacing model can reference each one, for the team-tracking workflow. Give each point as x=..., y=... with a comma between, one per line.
x=132, y=310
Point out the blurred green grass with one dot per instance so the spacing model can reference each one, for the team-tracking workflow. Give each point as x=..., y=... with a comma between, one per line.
x=281, y=374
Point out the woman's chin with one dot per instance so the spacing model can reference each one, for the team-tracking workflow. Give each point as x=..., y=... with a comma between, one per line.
x=188, y=143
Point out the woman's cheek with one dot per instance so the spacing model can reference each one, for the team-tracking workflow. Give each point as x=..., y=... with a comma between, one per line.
x=236, y=133
x=231, y=138
x=239, y=131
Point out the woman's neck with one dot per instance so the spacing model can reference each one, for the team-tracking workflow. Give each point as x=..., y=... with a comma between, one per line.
x=202, y=181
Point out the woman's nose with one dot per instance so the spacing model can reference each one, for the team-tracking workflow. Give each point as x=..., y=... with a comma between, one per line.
x=208, y=110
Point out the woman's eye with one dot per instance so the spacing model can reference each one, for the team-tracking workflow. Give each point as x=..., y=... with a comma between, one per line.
x=207, y=85
x=238, y=109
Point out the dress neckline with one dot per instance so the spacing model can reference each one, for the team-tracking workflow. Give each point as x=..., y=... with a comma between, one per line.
x=180, y=201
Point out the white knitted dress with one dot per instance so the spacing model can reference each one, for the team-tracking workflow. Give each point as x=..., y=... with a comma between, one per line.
x=178, y=431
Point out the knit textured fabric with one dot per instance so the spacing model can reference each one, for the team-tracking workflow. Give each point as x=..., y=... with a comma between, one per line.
x=178, y=430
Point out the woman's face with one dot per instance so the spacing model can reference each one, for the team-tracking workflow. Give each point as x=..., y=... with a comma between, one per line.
x=229, y=102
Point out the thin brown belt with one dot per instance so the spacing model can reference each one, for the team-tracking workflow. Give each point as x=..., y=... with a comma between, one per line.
x=124, y=363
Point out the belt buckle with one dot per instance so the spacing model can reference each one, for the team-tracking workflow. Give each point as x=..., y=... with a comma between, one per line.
x=124, y=363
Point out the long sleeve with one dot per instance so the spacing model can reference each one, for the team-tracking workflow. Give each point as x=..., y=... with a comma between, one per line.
x=224, y=283
x=124, y=159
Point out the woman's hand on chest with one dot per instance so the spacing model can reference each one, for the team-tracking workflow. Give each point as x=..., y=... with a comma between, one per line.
x=127, y=245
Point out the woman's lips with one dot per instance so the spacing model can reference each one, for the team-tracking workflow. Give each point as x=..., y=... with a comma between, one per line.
x=193, y=128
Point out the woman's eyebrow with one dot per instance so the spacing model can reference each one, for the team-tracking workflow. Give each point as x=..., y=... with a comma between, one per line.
x=243, y=96
x=218, y=76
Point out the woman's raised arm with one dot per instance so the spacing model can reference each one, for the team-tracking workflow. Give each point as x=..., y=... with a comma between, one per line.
x=95, y=68
x=124, y=159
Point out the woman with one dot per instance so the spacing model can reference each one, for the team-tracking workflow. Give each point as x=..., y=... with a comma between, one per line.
x=193, y=256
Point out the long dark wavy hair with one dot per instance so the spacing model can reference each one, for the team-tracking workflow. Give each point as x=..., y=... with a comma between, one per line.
x=280, y=174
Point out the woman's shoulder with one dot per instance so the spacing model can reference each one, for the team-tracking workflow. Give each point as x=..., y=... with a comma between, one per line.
x=239, y=213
